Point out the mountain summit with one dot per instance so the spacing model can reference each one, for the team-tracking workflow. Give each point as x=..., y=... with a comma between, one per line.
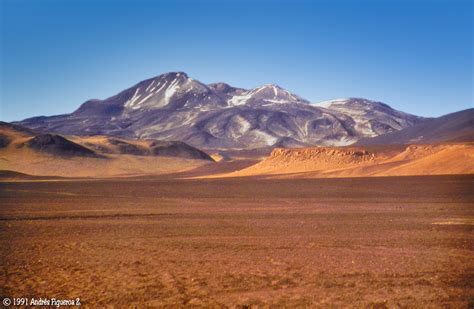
x=173, y=106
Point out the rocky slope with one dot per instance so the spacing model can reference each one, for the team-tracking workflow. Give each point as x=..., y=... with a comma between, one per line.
x=455, y=127
x=174, y=106
x=58, y=145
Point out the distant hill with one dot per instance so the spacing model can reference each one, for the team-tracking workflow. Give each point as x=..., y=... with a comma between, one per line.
x=58, y=145
x=148, y=147
x=93, y=146
x=24, y=151
x=455, y=127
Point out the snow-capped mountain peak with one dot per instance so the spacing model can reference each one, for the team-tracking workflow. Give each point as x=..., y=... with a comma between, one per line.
x=158, y=92
x=173, y=106
x=265, y=94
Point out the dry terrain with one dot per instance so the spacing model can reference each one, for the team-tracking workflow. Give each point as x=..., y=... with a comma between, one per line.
x=384, y=241
x=31, y=163
x=24, y=151
x=392, y=160
x=27, y=152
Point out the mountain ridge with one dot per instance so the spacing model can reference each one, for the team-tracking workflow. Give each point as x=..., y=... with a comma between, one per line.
x=173, y=106
x=454, y=127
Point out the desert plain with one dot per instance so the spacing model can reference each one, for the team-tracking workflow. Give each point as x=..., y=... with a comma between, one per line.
x=146, y=223
x=240, y=242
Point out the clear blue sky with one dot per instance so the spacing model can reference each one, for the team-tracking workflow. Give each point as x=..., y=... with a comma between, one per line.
x=416, y=56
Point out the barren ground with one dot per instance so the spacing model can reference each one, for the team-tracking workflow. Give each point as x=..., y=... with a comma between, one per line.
x=345, y=242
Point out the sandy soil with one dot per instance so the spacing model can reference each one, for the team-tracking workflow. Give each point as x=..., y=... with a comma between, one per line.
x=317, y=162
x=17, y=157
x=395, y=241
x=37, y=164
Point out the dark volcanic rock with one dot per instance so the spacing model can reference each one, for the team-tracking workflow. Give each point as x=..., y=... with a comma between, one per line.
x=58, y=145
x=177, y=149
x=98, y=148
x=127, y=148
x=4, y=141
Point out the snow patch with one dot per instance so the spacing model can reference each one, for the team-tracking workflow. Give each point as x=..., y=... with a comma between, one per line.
x=242, y=123
x=144, y=99
x=328, y=103
x=162, y=86
x=275, y=91
x=131, y=102
x=276, y=101
x=150, y=85
x=258, y=90
x=364, y=127
x=239, y=99
x=342, y=142
x=266, y=138
x=172, y=89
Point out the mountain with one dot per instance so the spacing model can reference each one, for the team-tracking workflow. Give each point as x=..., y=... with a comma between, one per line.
x=174, y=106
x=455, y=127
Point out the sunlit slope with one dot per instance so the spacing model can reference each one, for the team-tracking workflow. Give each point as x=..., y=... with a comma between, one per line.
x=361, y=162
x=27, y=152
